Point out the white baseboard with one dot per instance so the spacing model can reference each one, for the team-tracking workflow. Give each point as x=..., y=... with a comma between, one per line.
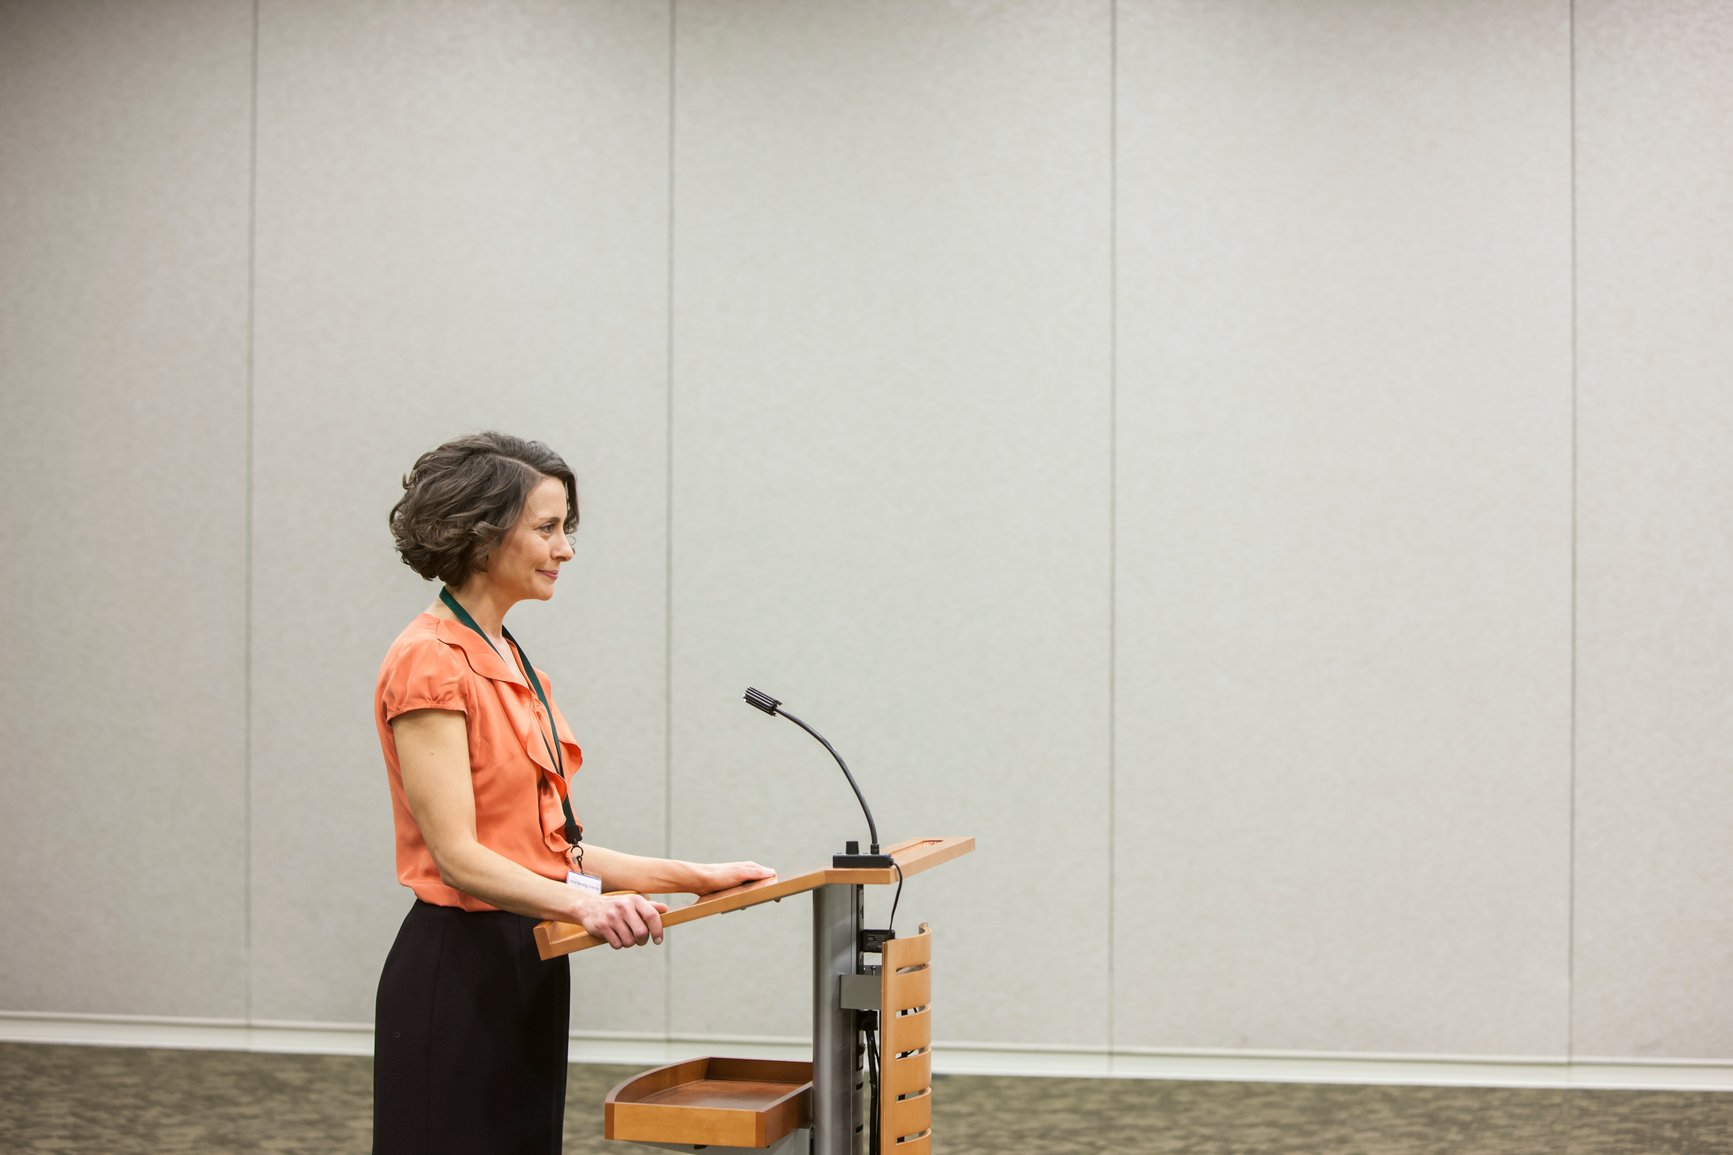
x=187, y=1034
x=1586, y=1073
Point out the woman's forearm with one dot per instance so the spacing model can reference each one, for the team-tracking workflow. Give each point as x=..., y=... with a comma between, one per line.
x=618, y=920
x=498, y=881
x=621, y=871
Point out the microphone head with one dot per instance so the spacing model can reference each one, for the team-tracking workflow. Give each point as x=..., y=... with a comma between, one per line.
x=762, y=700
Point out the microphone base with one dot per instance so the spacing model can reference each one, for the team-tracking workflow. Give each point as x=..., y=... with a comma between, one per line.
x=862, y=862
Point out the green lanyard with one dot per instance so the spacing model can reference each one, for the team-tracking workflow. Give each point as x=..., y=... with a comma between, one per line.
x=574, y=832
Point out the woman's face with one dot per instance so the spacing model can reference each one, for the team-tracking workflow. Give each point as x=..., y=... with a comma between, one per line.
x=527, y=560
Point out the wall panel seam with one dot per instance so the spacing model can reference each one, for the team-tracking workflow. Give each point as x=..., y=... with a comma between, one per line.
x=668, y=521
x=247, y=544
x=1112, y=504
x=1571, y=864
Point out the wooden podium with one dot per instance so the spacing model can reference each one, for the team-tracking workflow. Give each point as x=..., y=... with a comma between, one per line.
x=759, y=1104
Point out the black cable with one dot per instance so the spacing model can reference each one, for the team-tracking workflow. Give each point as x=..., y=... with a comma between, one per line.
x=872, y=827
x=873, y=1081
x=892, y=925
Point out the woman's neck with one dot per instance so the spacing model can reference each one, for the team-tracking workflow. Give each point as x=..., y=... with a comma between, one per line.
x=486, y=605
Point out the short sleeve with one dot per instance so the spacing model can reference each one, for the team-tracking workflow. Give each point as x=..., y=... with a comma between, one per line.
x=423, y=674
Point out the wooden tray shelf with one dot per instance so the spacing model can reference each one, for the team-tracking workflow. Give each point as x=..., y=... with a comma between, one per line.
x=712, y=1102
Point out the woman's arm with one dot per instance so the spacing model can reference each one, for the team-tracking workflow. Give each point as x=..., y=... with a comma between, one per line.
x=433, y=752
x=621, y=871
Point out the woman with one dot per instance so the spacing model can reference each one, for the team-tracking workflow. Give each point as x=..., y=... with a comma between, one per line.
x=471, y=1024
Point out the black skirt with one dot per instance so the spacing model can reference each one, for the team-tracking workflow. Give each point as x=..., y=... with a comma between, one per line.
x=470, y=1035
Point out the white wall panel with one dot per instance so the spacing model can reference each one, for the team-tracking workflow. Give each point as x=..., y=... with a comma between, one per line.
x=1654, y=934
x=891, y=486
x=1343, y=525
x=462, y=225
x=123, y=357
x=1266, y=692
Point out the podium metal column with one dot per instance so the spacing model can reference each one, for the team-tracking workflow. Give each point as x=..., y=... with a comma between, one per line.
x=835, y=1060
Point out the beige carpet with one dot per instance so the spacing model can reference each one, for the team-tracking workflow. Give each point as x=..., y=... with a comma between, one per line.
x=147, y=1102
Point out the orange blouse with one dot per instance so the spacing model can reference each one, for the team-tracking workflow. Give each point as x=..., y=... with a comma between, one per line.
x=436, y=664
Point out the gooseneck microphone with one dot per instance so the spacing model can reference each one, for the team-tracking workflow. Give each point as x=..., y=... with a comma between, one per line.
x=852, y=857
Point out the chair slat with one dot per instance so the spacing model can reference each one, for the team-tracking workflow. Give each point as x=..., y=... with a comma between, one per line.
x=907, y=990
x=908, y=952
x=908, y=1116
x=904, y=1076
x=908, y=1032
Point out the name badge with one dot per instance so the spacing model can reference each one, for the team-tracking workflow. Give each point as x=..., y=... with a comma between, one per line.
x=587, y=882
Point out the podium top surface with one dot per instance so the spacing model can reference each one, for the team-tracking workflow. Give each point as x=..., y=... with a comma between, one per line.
x=913, y=856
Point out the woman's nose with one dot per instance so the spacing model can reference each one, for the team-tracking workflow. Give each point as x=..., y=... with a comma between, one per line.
x=563, y=549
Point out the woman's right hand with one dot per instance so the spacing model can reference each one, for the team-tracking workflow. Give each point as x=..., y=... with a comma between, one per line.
x=623, y=920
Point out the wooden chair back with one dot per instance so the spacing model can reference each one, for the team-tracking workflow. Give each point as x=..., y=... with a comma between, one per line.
x=906, y=1046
